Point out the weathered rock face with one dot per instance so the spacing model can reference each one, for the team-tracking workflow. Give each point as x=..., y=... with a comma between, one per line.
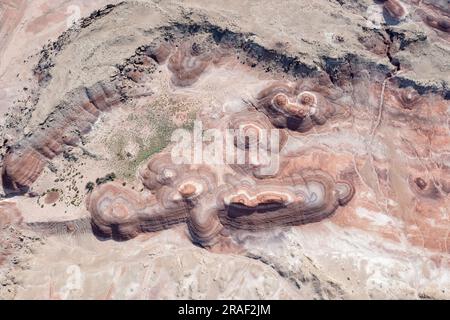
x=10, y=242
x=122, y=214
x=297, y=107
x=347, y=194
x=9, y=214
x=213, y=198
x=310, y=197
x=194, y=194
x=436, y=14
x=72, y=119
x=187, y=64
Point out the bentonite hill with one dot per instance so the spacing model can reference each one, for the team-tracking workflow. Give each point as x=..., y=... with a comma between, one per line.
x=225, y=150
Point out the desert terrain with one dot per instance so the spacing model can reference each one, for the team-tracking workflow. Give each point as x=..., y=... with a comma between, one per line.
x=346, y=103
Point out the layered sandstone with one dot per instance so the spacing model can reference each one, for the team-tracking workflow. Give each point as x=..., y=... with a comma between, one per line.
x=357, y=208
x=65, y=126
x=212, y=198
x=298, y=107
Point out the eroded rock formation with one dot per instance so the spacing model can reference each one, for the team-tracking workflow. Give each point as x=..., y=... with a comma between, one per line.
x=298, y=106
x=357, y=94
x=213, y=198
x=25, y=161
x=9, y=214
x=10, y=217
x=436, y=14
x=189, y=61
x=194, y=194
x=395, y=9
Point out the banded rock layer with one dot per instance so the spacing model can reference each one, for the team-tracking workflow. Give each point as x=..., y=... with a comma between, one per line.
x=26, y=160
x=215, y=198
x=194, y=195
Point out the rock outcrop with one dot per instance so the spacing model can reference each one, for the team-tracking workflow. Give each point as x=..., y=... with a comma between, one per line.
x=189, y=61
x=25, y=161
x=216, y=198
x=194, y=195
x=297, y=107
x=395, y=9
x=232, y=193
x=338, y=179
